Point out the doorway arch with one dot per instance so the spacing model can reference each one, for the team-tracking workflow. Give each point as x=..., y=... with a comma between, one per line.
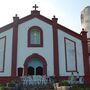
x=39, y=71
x=30, y=58
x=30, y=71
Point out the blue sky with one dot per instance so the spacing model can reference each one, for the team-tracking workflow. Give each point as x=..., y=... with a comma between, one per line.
x=67, y=11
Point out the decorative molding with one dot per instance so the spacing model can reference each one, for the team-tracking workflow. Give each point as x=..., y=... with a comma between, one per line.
x=65, y=39
x=3, y=53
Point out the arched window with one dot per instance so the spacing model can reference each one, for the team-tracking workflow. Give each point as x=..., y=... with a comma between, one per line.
x=35, y=37
x=39, y=71
x=30, y=71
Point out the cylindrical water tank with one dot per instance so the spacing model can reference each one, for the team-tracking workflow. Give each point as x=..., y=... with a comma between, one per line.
x=85, y=19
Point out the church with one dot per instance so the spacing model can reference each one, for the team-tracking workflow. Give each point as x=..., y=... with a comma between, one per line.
x=36, y=45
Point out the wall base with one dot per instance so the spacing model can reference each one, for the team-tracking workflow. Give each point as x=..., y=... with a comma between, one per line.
x=87, y=80
x=7, y=79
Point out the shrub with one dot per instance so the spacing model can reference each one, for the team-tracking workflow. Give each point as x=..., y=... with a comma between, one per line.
x=1, y=87
x=77, y=87
x=64, y=83
x=87, y=89
x=11, y=84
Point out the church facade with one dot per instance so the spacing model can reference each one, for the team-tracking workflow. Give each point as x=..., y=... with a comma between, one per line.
x=36, y=45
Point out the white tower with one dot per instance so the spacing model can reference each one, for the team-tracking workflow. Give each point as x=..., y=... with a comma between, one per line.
x=85, y=20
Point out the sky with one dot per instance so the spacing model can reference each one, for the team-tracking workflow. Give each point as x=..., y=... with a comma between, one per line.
x=67, y=11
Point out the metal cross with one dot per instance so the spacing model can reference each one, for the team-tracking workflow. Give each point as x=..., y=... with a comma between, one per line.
x=35, y=7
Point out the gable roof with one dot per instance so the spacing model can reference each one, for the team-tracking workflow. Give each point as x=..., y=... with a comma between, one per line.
x=37, y=14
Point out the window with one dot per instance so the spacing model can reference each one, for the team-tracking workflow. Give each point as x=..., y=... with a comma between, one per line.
x=39, y=71
x=35, y=37
x=30, y=71
x=20, y=71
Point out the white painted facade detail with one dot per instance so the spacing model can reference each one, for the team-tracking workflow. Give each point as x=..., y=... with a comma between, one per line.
x=79, y=54
x=46, y=51
x=8, y=52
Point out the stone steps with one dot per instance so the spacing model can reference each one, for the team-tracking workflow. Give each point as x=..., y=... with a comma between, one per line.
x=46, y=87
x=27, y=88
x=36, y=89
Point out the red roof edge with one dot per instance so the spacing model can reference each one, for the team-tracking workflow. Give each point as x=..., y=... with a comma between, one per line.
x=68, y=31
x=6, y=27
x=43, y=18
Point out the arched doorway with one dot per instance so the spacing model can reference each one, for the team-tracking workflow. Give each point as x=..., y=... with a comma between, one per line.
x=35, y=67
x=39, y=71
x=38, y=63
x=30, y=71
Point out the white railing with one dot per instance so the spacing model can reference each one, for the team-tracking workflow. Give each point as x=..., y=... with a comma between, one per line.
x=34, y=80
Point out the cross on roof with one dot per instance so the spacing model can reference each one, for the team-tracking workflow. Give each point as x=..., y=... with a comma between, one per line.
x=35, y=7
